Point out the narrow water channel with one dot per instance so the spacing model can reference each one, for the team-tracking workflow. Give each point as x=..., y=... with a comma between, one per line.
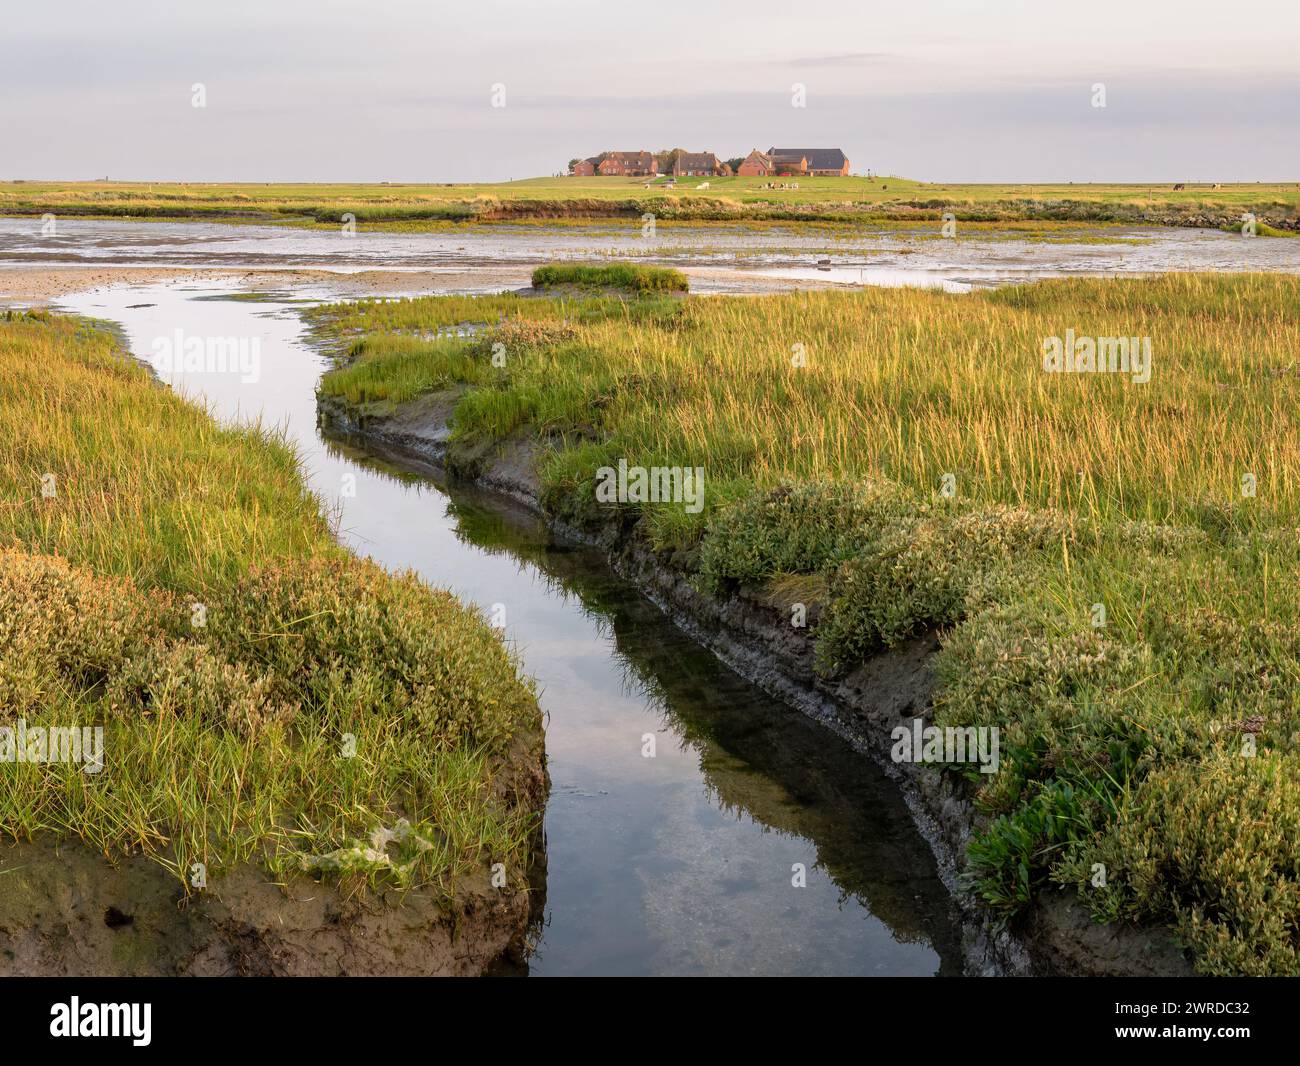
x=681, y=863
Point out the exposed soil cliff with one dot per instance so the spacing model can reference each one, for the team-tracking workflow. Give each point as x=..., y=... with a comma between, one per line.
x=65, y=910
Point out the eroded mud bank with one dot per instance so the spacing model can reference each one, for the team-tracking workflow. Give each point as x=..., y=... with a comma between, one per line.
x=66, y=910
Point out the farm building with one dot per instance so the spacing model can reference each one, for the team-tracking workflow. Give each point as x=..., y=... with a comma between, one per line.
x=699, y=165
x=632, y=164
x=757, y=165
x=789, y=163
x=821, y=162
x=792, y=162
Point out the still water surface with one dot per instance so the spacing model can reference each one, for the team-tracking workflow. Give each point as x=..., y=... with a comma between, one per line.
x=715, y=255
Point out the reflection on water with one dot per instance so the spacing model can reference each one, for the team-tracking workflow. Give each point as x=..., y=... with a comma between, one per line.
x=680, y=863
x=758, y=789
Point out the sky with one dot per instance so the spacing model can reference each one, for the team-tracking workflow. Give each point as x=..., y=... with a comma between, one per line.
x=400, y=90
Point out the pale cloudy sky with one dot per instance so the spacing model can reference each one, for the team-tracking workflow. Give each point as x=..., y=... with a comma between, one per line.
x=401, y=90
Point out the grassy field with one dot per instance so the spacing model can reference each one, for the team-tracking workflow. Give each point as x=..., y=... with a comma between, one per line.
x=265, y=696
x=1112, y=565
x=552, y=199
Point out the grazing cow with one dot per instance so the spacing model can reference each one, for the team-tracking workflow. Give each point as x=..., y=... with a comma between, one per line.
x=1179, y=187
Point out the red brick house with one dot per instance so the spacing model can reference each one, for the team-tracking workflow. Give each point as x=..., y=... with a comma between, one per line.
x=756, y=165
x=789, y=162
x=630, y=164
x=699, y=165
x=820, y=162
x=584, y=168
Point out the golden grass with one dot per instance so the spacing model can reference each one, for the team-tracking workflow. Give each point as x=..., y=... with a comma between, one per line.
x=910, y=385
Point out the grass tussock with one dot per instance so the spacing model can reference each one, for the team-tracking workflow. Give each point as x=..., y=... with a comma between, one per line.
x=264, y=696
x=1262, y=229
x=619, y=276
x=1112, y=591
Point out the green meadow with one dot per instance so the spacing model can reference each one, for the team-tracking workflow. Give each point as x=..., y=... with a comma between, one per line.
x=556, y=199
x=1111, y=565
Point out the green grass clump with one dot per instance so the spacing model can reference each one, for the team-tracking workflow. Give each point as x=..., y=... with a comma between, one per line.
x=265, y=697
x=619, y=276
x=794, y=529
x=394, y=369
x=1158, y=737
x=1262, y=229
x=1213, y=842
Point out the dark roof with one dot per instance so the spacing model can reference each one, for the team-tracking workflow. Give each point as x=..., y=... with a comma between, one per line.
x=642, y=158
x=818, y=158
x=697, y=160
